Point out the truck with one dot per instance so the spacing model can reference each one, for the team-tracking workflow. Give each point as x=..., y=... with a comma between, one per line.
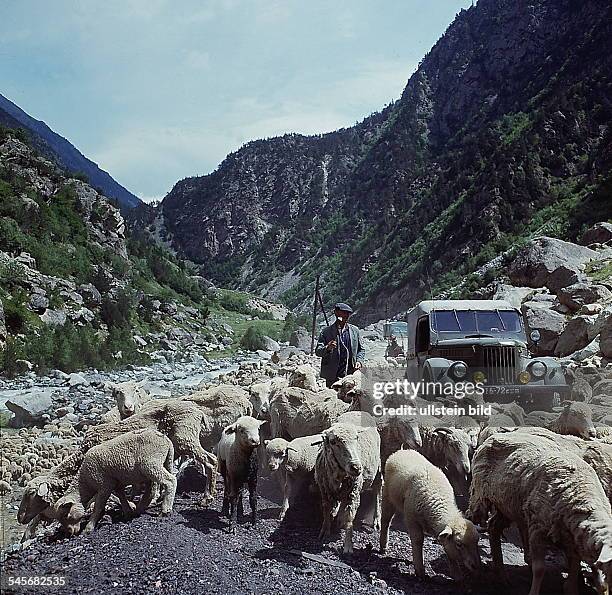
x=483, y=342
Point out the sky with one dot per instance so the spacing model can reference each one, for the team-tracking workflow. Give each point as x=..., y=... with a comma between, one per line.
x=158, y=90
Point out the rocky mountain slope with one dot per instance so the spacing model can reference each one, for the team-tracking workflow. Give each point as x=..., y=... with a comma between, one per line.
x=68, y=157
x=501, y=134
x=77, y=290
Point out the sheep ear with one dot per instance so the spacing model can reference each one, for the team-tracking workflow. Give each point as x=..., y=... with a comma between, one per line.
x=317, y=442
x=445, y=534
x=43, y=490
x=261, y=423
x=605, y=556
x=230, y=429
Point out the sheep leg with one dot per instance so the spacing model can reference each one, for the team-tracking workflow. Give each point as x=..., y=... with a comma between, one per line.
x=30, y=529
x=538, y=563
x=145, y=499
x=252, y=483
x=287, y=485
x=326, y=507
x=99, y=506
x=351, y=511
x=416, y=539
x=496, y=526
x=233, y=505
x=388, y=512
x=225, y=506
x=169, y=482
x=573, y=573
x=377, y=489
x=240, y=512
x=187, y=441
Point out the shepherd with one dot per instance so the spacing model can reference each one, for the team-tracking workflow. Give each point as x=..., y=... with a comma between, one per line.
x=339, y=347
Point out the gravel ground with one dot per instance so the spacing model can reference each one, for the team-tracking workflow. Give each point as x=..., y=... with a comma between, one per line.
x=190, y=552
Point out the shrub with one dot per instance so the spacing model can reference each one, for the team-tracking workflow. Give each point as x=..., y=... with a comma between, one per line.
x=9, y=356
x=253, y=339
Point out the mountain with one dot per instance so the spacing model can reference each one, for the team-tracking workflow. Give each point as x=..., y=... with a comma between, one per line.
x=501, y=134
x=58, y=149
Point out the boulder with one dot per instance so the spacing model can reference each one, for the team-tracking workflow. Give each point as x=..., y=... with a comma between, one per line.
x=577, y=295
x=537, y=262
x=605, y=337
x=29, y=408
x=575, y=336
x=550, y=324
x=515, y=295
x=38, y=302
x=77, y=380
x=600, y=233
x=90, y=294
x=54, y=317
x=300, y=338
x=270, y=344
x=587, y=352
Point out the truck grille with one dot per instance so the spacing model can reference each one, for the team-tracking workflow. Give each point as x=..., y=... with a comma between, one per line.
x=498, y=362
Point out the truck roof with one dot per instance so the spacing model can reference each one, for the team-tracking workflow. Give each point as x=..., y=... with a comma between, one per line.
x=427, y=306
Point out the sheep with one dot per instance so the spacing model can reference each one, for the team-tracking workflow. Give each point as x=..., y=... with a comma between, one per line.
x=422, y=493
x=304, y=376
x=554, y=497
x=576, y=419
x=294, y=461
x=296, y=412
x=140, y=456
x=395, y=432
x=182, y=421
x=347, y=383
x=129, y=397
x=596, y=454
x=449, y=449
x=348, y=464
x=238, y=464
x=43, y=491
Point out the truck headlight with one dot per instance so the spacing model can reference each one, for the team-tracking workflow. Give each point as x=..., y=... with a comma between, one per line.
x=480, y=377
x=537, y=369
x=458, y=370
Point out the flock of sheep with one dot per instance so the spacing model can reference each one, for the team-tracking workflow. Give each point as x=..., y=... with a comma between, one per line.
x=554, y=483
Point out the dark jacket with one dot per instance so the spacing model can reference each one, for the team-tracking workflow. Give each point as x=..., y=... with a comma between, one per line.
x=330, y=359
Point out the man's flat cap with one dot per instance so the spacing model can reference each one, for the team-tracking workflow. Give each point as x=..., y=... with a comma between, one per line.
x=343, y=307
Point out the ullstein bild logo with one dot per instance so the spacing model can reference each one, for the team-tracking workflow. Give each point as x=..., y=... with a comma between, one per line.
x=395, y=390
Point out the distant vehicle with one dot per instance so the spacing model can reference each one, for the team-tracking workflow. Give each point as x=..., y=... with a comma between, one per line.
x=482, y=341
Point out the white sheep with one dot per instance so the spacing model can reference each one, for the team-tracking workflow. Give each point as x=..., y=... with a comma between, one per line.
x=43, y=491
x=348, y=383
x=422, y=493
x=294, y=461
x=183, y=421
x=137, y=457
x=296, y=412
x=553, y=496
x=575, y=419
x=347, y=465
x=304, y=376
x=238, y=465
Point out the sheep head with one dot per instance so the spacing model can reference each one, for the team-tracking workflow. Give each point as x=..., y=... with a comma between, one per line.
x=128, y=396
x=341, y=442
x=603, y=568
x=304, y=376
x=460, y=542
x=408, y=430
x=69, y=511
x=276, y=452
x=37, y=497
x=457, y=448
x=246, y=429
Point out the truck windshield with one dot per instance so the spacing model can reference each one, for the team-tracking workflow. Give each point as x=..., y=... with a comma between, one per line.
x=476, y=321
